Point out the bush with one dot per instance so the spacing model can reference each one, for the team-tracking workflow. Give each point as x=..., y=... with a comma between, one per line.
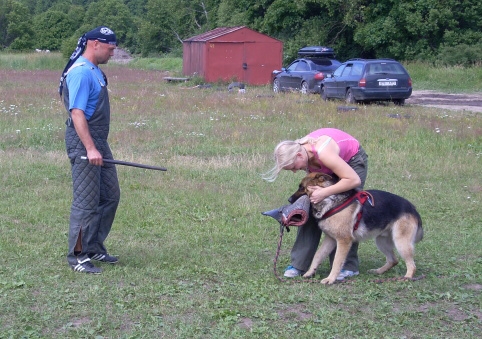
x=460, y=55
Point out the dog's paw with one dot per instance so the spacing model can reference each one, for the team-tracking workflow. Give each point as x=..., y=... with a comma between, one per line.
x=374, y=271
x=328, y=281
x=309, y=274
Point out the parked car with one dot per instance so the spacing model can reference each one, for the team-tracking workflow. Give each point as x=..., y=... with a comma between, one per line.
x=366, y=80
x=306, y=73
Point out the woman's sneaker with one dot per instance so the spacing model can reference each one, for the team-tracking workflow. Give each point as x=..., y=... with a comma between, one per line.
x=85, y=266
x=346, y=274
x=292, y=272
x=110, y=259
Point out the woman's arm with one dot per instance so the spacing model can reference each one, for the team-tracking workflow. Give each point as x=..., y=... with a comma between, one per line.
x=330, y=157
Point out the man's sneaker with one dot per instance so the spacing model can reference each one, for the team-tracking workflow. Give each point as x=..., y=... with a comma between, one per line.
x=292, y=272
x=85, y=266
x=346, y=274
x=110, y=259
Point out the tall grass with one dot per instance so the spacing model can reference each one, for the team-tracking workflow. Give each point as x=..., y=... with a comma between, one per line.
x=160, y=64
x=196, y=255
x=453, y=79
x=31, y=61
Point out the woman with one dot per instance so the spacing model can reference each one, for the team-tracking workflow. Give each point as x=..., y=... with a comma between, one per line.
x=330, y=151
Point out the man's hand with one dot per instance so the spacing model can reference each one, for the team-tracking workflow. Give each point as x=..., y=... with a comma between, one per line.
x=95, y=158
x=82, y=129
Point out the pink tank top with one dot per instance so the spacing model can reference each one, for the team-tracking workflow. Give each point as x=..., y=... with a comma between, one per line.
x=348, y=146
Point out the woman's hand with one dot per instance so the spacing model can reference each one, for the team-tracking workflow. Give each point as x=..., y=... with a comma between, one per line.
x=317, y=194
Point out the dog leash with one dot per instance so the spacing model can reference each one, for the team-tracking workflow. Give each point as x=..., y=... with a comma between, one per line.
x=275, y=261
x=379, y=281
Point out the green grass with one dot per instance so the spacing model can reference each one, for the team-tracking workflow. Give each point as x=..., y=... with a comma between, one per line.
x=454, y=79
x=163, y=64
x=196, y=255
x=32, y=61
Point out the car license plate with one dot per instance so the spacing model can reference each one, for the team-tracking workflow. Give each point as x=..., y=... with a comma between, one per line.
x=387, y=83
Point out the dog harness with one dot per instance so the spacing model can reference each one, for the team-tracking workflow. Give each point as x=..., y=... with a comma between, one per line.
x=361, y=197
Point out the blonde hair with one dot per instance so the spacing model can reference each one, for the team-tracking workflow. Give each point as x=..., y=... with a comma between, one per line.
x=284, y=155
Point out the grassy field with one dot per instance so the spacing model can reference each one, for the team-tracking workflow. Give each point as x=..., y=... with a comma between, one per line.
x=196, y=255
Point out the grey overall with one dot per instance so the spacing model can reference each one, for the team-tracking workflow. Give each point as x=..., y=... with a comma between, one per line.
x=96, y=191
x=309, y=235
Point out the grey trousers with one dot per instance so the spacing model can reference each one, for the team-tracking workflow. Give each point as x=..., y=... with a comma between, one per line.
x=96, y=197
x=308, y=236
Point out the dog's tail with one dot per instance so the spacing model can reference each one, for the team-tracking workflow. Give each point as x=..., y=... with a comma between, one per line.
x=419, y=235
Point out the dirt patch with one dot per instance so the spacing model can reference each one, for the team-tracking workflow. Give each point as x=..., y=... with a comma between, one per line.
x=458, y=102
x=121, y=56
x=246, y=323
x=474, y=287
x=295, y=312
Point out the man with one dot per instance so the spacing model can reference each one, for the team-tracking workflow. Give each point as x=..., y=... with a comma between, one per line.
x=96, y=191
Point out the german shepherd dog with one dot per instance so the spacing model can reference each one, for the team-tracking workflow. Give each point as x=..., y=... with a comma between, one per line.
x=392, y=220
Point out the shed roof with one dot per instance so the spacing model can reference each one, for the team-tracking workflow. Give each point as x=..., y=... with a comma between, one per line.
x=219, y=32
x=215, y=33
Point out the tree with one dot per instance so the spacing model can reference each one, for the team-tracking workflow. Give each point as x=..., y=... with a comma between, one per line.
x=137, y=7
x=3, y=23
x=51, y=28
x=243, y=13
x=155, y=34
x=112, y=13
x=169, y=22
x=401, y=29
x=18, y=34
x=408, y=30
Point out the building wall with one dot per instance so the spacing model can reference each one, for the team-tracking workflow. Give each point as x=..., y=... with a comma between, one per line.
x=193, y=60
x=242, y=55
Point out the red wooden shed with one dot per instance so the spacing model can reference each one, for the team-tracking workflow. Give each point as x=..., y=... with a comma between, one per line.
x=232, y=54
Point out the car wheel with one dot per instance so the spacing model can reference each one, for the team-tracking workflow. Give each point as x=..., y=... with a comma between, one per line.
x=323, y=94
x=399, y=102
x=276, y=88
x=349, y=97
x=304, y=88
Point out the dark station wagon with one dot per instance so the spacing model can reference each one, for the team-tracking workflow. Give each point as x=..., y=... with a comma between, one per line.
x=367, y=80
x=306, y=73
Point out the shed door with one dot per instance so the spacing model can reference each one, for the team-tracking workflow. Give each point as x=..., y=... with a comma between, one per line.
x=259, y=62
x=248, y=62
x=226, y=60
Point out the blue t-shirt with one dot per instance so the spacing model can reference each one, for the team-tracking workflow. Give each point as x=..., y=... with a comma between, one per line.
x=84, y=81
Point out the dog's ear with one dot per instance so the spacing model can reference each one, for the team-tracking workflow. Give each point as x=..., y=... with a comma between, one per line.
x=320, y=179
x=323, y=176
x=312, y=175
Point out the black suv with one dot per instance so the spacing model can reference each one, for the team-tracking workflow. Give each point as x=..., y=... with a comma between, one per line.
x=366, y=80
x=306, y=73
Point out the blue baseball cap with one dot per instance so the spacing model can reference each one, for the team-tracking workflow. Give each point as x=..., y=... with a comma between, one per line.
x=102, y=34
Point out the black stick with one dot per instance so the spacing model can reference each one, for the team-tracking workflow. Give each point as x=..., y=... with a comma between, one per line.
x=133, y=164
